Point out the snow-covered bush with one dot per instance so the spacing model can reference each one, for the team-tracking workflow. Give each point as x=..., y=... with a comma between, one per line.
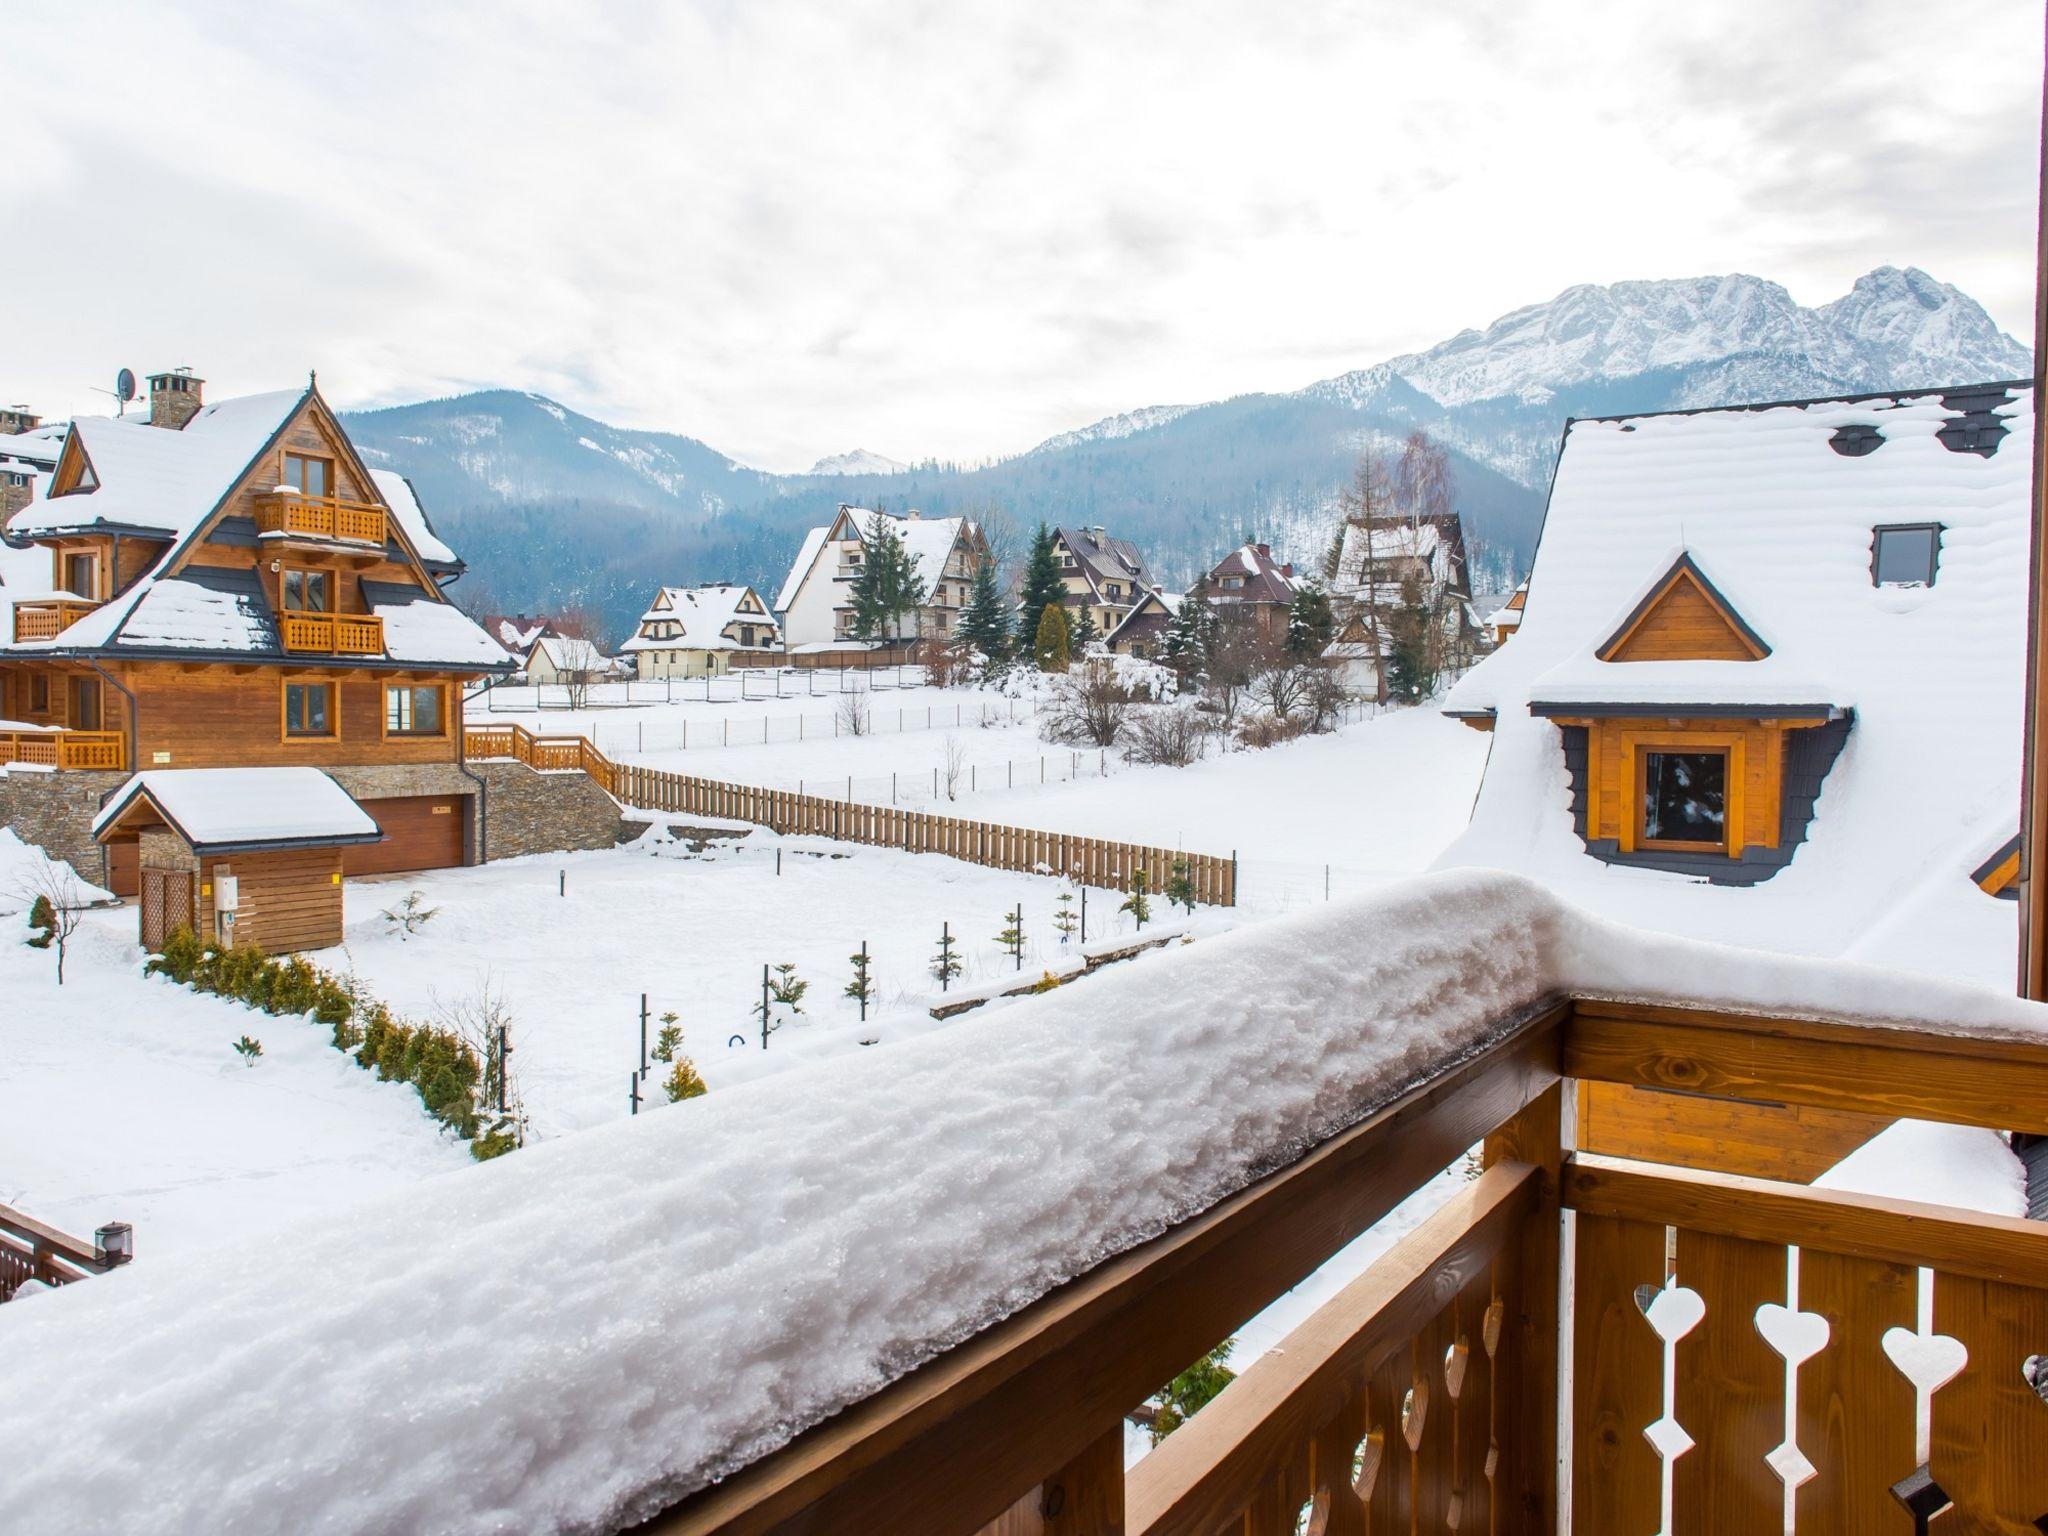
x=684, y=1081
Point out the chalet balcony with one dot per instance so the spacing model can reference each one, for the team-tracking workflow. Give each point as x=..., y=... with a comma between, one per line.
x=58, y=748
x=45, y=620
x=321, y=519
x=332, y=634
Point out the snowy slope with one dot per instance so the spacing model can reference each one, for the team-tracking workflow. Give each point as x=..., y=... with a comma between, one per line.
x=1110, y=428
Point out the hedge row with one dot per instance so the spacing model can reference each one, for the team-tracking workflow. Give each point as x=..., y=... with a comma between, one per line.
x=438, y=1062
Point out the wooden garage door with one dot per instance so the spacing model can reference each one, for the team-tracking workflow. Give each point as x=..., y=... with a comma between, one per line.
x=420, y=832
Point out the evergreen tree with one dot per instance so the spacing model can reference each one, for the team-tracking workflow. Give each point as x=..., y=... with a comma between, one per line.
x=1180, y=886
x=1411, y=646
x=983, y=625
x=788, y=988
x=1044, y=587
x=1137, y=903
x=1311, y=624
x=888, y=587
x=670, y=1038
x=1053, y=650
x=1063, y=916
x=1085, y=632
x=1333, y=557
x=1012, y=936
x=1191, y=635
x=946, y=963
x=862, y=988
x=685, y=1082
x=1191, y=1390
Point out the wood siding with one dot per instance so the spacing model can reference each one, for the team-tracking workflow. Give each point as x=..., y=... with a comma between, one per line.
x=288, y=900
x=1683, y=624
x=224, y=716
x=1756, y=774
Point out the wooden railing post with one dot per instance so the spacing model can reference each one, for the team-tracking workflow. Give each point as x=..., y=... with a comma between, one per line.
x=1527, y=1480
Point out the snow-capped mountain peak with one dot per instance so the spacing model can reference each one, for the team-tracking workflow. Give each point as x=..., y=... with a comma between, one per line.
x=858, y=462
x=1123, y=424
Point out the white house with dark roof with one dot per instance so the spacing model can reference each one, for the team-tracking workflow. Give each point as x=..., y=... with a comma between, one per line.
x=1104, y=576
x=702, y=631
x=1767, y=681
x=814, y=606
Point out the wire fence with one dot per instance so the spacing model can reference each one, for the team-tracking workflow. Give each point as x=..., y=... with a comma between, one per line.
x=629, y=738
x=939, y=786
x=1288, y=885
x=743, y=685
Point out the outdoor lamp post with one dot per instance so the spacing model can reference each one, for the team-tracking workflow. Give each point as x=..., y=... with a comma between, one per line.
x=116, y=1243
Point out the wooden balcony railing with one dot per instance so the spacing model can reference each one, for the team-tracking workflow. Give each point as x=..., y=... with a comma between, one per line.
x=321, y=517
x=333, y=634
x=47, y=619
x=1424, y=1396
x=33, y=1250
x=65, y=749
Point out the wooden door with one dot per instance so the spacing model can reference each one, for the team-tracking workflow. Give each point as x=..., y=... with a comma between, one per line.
x=420, y=832
x=124, y=860
x=85, y=704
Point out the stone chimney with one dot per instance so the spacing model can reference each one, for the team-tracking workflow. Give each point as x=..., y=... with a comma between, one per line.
x=174, y=398
x=17, y=419
x=16, y=484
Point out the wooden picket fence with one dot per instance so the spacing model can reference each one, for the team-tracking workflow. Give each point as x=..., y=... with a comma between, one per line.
x=1100, y=862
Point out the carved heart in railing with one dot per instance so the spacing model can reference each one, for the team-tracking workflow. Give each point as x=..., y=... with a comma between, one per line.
x=1795, y=1335
x=1455, y=1515
x=1414, y=1409
x=1365, y=1462
x=1928, y=1360
x=1672, y=1310
x=1455, y=1360
x=1489, y=1330
x=2034, y=1372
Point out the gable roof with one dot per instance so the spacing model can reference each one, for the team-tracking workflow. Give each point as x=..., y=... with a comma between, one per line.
x=928, y=541
x=1686, y=577
x=702, y=613
x=1761, y=499
x=242, y=810
x=1103, y=558
x=1153, y=608
x=1266, y=580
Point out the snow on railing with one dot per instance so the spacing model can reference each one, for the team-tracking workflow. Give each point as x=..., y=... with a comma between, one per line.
x=576, y=1337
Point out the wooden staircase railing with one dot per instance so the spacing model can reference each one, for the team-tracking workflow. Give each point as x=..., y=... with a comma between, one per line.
x=1423, y=1397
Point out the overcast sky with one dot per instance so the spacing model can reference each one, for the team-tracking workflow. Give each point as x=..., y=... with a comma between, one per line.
x=952, y=229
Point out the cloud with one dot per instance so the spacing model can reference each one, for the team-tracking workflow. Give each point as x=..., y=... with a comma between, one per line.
x=953, y=230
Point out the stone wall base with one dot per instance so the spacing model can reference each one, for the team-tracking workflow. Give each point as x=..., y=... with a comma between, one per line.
x=528, y=812
x=54, y=811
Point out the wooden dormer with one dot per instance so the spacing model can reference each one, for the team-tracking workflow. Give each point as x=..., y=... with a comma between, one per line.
x=1684, y=618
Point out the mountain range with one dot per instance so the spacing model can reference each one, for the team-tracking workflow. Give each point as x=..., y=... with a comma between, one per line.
x=552, y=508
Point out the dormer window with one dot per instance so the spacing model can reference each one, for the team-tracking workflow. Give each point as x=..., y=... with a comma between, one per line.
x=1904, y=554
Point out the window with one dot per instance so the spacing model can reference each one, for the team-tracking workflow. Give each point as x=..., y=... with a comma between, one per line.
x=309, y=709
x=313, y=477
x=412, y=711
x=306, y=591
x=1233, y=583
x=1904, y=555
x=81, y=575
x=1685, y=799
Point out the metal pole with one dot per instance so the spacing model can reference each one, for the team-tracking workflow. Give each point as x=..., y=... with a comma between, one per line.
x=504, y=1050
x=561, y=882
x=863, y=981
x=945, y=954
x=1084, y=914
x=633, y=1090
x=1020, y=935
x=643, y=1037
x=892, y=789
x=764, y=1005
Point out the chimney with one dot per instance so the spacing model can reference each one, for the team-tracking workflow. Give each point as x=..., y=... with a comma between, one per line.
x=1287, y=570
x=1265, y=551
x=174, y=398
x=17, y=419
x=17, y=484
x=1098, y=535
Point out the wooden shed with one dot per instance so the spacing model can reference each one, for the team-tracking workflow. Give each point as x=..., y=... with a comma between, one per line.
x=241, y=855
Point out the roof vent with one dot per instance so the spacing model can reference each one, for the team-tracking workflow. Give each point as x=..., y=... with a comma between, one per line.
x=1977, y=427
x=1856, y=439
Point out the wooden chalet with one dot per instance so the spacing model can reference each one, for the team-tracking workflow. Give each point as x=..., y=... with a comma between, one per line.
x=1104, y=577
x=1249, y=586
x=233, y=587
x=703, y=631
x=1507, y=618
x=1144, y=628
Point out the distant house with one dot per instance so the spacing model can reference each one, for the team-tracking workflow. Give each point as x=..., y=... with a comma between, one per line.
x=1507, y=618
x=516, y=632
x=556, y=659
x=1144, y=627
x=703, y=631
x=1774, y=645
x=1357, y=658
x=1249, y=586
x=1104, y=576
x=1384, y=561
x=815, y=606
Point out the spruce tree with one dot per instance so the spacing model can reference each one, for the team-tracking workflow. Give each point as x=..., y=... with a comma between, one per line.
x=983, y=625
x=1188, y=641
x=946, y=963
x=1180, y=886
x=1085, y=632
x=1053, y=649
x=1311, y=624
x=1137, y=903
x=888, y=586
x=1043, y=587
x=1411, y=650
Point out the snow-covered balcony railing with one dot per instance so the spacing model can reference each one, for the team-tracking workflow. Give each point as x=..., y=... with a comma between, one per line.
x=33, y=1253
x=286, y=513
x=45, y=619
x=54, y=747
x=917, y=1289
x=332, y=634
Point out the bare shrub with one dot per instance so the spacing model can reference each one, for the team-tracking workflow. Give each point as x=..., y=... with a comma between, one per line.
x=954, y=768
x=1168, y=738
x=946, y=666
x=1258, y=732
x=1091, y=708
x=852, y=715
x=1325, y=698
x=55, y=900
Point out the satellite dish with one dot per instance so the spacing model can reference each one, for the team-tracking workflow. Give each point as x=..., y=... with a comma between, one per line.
x=124, y=385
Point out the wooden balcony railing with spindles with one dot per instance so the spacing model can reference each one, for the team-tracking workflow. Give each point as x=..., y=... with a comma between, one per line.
x=333, y=634
x=335, y=518
x=1424, y=1396
x=65, y=749
x=45, y=619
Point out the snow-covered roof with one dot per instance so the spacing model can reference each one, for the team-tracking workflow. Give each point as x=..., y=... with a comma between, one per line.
x=569, y=653
x=422, y=628
x=222, y=810
x=405, y=506
x=153, y=477
x=518, y=634
x=1264, y=579
x=1102, y=557
x=1763, y=504
x=846, y=1223
x=928, y=541
x=806, y=557
x=702, y=614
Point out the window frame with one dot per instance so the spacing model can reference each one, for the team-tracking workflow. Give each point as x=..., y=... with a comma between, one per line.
x=328, y=579
x=1934, y=531
x=326, y=461
x=440, y=733
x=92, y=557
x=1729, y=804
x=327, y=685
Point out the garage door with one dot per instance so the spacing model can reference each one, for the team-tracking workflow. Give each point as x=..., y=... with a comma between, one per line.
x=420, y=832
